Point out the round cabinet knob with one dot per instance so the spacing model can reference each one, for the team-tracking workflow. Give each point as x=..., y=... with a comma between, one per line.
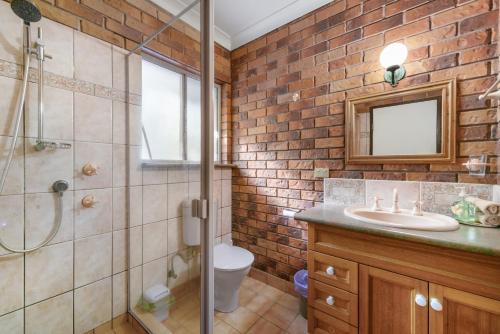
x=330, y=271
x=436, y=305
x=420, y=300
x=89, y=169
x=330, y=300
x=88, y=201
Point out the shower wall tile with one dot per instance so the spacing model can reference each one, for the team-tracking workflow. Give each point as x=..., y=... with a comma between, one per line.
x=49, y=272
x=175, y=240
x=10, y=90
x=12, y=222
x=154, y=175
x=14, y=183
x=178, y=174
x=154, y=272
x=120, y=67
x=154, y=199
x=119, y=294
x=40, y=212
x=44, y=167
x=135, y=215
x=226, y=220
x=12, y=283
x=226, y=193
x=99, y=155
x=120, y=251
x=58, y=41
x=93, y=305
x=119, y=165
x=12, y=323
x=178, y=193
x=135, y=242
x=135, y=165
x=120, y=211
x=93, y=119
x=152, y=241
x=57, y=113
x=126, y=124
x=93, y=258
x=52, y=316
x=97, y=219
x=12, y=35
x=135, y=285
x=94, y=66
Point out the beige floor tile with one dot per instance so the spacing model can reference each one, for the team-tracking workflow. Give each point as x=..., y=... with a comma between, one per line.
x=263, y=326
x=280, y=316
x=241, y=319
x=220, y=327
x=260, y=304
x=270, y=292
x=298, y=326
x=252, y=284
x=246, y=295
x=290, y=302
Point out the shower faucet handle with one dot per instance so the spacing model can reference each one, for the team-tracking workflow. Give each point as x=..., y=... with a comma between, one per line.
x=89, y=169
x=88, y=201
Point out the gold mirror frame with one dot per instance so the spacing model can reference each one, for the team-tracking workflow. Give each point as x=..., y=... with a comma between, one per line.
x=448, y=126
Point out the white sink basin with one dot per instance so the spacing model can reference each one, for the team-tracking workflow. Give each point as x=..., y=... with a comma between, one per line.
x=404, y=219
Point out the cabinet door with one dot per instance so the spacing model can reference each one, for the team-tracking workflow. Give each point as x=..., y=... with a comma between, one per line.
x=388, y=303
x=456, y=312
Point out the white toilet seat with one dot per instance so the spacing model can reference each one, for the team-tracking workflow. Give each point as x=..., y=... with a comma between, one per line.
x=231, y=258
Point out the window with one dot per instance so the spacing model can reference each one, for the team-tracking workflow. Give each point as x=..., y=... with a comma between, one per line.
x=171, y=114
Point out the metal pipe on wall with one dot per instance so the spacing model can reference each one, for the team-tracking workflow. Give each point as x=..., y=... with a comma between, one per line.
x=207, y=165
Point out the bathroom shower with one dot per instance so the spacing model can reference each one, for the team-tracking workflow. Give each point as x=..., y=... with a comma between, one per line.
x=29, y=13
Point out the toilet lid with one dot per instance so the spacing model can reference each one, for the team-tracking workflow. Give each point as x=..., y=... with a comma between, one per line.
x=228, y=258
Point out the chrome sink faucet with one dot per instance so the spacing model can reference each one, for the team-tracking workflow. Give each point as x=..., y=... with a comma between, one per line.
x=395, y=201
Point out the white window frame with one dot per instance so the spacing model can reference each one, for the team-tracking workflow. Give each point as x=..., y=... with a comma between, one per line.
x=217, y=118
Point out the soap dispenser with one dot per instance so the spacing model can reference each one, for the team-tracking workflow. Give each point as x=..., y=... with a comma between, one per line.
x=463, y=211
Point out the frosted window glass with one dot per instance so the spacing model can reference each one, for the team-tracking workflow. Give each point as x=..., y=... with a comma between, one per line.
x=161, y=112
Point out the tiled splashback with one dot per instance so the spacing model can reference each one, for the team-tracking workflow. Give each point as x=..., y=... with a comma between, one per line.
x=436, y=196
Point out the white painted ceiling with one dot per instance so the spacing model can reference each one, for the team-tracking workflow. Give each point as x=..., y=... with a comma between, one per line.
x=238, y=22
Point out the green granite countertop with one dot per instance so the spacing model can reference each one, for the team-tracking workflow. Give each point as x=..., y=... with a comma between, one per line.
x=467, y=238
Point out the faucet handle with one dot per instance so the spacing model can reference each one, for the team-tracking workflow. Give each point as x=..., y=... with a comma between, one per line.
x=417, y=208
x=376, y=203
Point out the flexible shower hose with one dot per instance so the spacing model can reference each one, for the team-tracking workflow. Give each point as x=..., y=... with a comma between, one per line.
x=19, y=114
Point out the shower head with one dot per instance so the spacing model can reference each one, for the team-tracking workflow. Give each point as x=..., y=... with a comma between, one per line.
x=26, y=10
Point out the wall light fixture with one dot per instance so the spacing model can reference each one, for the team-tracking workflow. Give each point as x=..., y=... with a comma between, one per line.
x=392, y=58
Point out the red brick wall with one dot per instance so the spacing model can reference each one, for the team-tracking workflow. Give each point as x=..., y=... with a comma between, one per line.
x=326, y=56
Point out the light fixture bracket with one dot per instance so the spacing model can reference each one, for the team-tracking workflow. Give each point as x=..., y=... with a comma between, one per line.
x=394, y=74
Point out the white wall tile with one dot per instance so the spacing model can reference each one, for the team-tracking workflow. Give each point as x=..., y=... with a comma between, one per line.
x=92, y=259
x=93, y=119
x=97, y=219
x=175, y=239
x=119, y=165
x=49, y=272
x=344, y=191
x=154, y=175
x=57, y=113
x=12, y=221
x=99, y=155
x=178, y=174
x=45, y=167
x=14, y=183
x=119, y=294
x=40, y=211
x=12, y=323
x=135, y=285
x=93, y=305
x=135, y=216
x=12, y=39
x=135, y=242
x=152, y=241
x=135, y=165
x=120, y=251
x=226, y=220
x=226, y=193
x=52, y=316
x=12, y=283
x=120, y=68
x=120, y=211
x=10, y=90
x=154, y=199
x=154, y=272
x=95, y=66
x=408, y=192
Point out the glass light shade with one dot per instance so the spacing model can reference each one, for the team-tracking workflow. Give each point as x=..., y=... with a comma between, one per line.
x=393, y=54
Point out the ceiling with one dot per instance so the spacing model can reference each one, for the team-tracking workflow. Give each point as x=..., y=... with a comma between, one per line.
x=238, y=22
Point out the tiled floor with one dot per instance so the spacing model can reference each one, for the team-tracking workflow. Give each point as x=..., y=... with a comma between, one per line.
x=263, y=309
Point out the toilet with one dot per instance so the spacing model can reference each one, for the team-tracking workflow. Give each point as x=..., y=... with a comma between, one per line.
x=231, y=263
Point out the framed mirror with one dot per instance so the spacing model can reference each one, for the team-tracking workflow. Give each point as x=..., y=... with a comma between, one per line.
x=410, y=125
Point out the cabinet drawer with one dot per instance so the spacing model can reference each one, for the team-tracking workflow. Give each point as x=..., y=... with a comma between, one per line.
x=321, y=323
x=341, y=304
x=333, y=270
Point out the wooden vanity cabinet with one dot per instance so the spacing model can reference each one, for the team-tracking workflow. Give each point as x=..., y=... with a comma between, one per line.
x=362, y=283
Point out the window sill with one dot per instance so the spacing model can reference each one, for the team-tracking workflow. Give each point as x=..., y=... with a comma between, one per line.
x=172, y=163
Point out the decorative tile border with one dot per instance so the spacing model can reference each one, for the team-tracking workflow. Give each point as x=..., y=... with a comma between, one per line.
x=14, y=71
x=436, y=196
